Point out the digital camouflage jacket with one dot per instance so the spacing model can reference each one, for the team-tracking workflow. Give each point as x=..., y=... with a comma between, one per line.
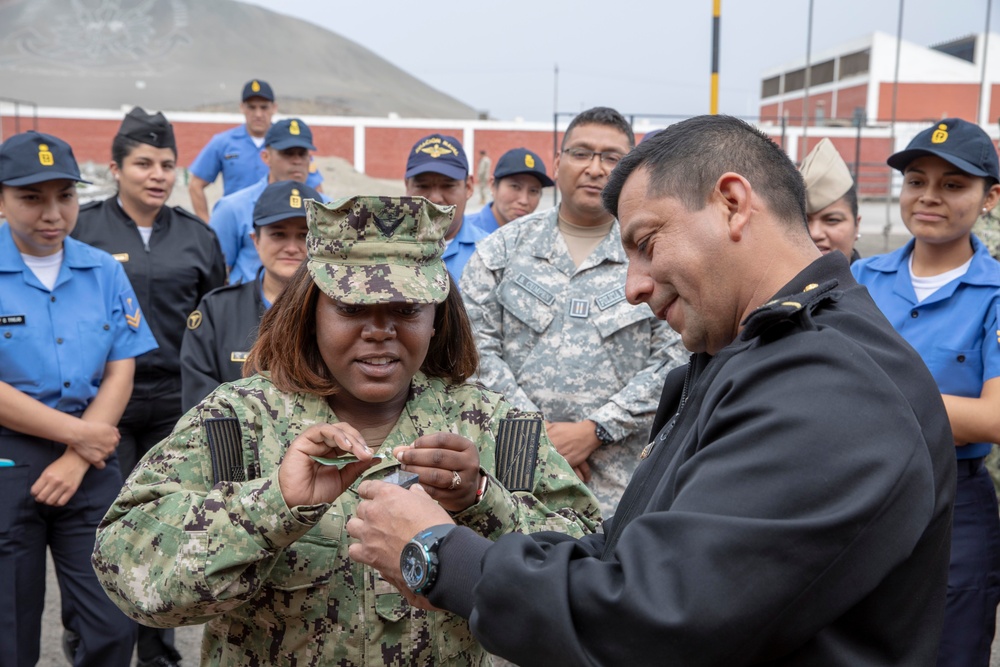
x=275, y=584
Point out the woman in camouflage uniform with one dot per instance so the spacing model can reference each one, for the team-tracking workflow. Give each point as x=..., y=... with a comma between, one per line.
x=367, y=352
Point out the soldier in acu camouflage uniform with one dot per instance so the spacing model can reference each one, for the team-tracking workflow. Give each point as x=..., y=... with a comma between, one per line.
x=546, y=297
x=987, y=228
x=231, y=521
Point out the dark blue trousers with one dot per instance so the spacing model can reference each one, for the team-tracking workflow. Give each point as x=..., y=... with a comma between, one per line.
x=974, y=573
x=27, y=528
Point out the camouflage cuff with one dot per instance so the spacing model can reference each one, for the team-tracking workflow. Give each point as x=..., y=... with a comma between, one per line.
x=614, y=420
x=487, y=517
x=278, y=524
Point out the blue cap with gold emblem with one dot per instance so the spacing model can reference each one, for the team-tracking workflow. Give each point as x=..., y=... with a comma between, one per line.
x=522, y=161
x=32, y=157
x=257, y=88
x=958, y=142
x=289, y=133
x=438, y=154
x=281, y=201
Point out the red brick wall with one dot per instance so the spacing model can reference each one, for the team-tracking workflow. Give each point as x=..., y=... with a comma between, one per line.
x=769, y=113
x=994, y=104
x=873, y=172
x=929, y=101
x=849, y=98
x=334, y=141
x=498, y=142
x=387, y=149
x=91, y=139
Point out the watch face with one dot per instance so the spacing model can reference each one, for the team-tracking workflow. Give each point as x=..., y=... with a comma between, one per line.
x=413, y=564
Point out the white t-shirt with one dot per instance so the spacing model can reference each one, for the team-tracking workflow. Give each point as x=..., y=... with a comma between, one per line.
x=927, y=285
x=46, y=269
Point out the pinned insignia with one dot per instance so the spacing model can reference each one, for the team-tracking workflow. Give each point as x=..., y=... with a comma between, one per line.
x=940, y=134
x=578, y=308
x=133, y=315
x=121, y=257
x=810, y=287
x=293, y=128
x=45, y=157
x=194, y=320
x=255, y=86
x=387, y=226
x=529, y=161
x=295, y=201
x=238, y=357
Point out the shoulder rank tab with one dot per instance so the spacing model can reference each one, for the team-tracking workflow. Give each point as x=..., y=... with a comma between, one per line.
x=517, y=450
x=784, y=308
x=225, y=443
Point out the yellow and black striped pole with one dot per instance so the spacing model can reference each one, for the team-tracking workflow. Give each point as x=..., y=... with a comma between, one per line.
x=716, y=10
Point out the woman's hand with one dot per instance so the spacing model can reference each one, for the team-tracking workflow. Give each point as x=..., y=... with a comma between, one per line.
x=448, y=466
x=304, y=481
x=93, y=441
x=60, y=479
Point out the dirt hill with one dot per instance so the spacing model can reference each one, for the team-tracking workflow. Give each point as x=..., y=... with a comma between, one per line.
x=185, y=55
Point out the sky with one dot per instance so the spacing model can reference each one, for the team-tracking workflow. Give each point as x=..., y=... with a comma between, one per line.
x=641, y=57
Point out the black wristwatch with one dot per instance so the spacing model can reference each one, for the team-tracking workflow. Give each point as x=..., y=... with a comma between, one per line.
x=602, y=434
x=419, y=562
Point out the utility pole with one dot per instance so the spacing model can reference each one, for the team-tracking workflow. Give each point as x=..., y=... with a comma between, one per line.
x=713, y=107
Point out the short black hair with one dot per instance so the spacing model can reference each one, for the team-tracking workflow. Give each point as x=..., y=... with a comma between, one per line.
x=686, y=159
x=122, y=147
x=601, y=116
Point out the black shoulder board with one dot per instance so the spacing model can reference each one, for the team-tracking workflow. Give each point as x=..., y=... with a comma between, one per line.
x=517, y=450
x=225, y=442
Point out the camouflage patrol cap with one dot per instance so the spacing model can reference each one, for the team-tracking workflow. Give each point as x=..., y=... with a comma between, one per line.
x=367, y=250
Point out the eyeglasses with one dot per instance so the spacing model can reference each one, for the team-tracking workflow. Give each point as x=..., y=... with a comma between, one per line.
x=584, y=155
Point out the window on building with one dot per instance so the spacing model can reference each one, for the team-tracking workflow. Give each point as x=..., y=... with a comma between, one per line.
x=770, y=87
x=795, y=80
x=853, y=64
x=821, y=73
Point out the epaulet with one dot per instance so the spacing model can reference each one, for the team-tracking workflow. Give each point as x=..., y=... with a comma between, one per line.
x=786, y=308
x=517, y=449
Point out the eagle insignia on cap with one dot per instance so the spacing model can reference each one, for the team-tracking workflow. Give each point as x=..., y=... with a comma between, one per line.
x=295, y=201
x=940, y=134
x=434, y=151
x=45, y=157
x=293, y=128
x=529, y=162
x=255, y=86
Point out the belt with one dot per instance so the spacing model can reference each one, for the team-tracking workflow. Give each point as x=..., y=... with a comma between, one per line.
x=969, y=467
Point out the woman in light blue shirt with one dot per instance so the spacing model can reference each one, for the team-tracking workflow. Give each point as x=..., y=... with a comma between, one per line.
x=70, y=328
x=941, y=291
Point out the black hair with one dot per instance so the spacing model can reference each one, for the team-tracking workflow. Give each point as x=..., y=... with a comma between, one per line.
x=122, y=147
x=851, y=197
x=601, y=116
x=686, y=159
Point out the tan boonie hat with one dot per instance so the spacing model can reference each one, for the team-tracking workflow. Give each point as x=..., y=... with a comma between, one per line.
x=826, y=175
x=367, y=250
